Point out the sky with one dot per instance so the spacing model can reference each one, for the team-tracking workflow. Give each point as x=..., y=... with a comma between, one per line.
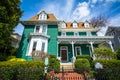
x=70, y=10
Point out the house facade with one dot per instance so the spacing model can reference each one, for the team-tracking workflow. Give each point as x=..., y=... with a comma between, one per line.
x=114, y=31
x=66, y=40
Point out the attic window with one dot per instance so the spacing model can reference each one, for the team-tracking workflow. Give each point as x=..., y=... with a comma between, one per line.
x=86, y=24
x=63, y=25
x=75, y=25
x=42, y=16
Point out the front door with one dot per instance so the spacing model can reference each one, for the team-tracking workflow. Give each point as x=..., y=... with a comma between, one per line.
x=64, y=55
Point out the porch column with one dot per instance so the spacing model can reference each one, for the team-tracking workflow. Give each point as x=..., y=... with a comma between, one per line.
x=59, y=58
x=110, y=43
x=73, y=48
x=91, y=44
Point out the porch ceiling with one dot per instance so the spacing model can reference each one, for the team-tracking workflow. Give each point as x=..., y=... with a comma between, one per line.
x=83, y=39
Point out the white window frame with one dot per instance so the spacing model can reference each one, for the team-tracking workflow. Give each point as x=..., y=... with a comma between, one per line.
x=76, y=33
x=41, y=28
x=76, y=50
x=63, y=33
x=87, y=25
x=113, y=33
x=75, y=25
x=43, y=47
x=43, y=16
x=63, y=25
x=64, y=48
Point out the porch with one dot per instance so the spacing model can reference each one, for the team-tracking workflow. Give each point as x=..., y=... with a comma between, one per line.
x=70, y=46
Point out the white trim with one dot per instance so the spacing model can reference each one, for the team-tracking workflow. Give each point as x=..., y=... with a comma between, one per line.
x=61, y=48
x=79, y=49
x=90, y=51
x=75, y=25
x=41, y=28
x=63, y=33
x=76, y=33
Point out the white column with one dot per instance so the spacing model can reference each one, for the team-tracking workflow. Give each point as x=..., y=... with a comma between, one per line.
x=59, y=58
x=91, y=44
x=110, y=43
x=73, y=48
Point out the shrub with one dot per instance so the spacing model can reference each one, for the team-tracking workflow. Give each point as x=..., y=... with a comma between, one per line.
x=54, y=63
x=21, y=71
x=10, y=57
x=82, y=65
x=84, y=56
x=108, y=63
x=104, y=53
x=118, y=54
x=17, y=59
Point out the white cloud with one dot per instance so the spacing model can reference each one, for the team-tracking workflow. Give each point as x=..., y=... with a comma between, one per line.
x=112, y=0
x=94, y=1
x=62, y=12
x=115, y=21
x=81, y=11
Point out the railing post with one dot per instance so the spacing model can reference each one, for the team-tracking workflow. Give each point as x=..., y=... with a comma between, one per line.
x=62, y=73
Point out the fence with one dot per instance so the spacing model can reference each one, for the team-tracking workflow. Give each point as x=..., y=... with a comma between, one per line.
x=56, y=74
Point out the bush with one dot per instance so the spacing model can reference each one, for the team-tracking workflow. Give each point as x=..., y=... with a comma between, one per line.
x=84, y=56
x=108, y=63
x=54, y=63
x=118, y=54
x=21, y=71
x=10, y=57
x=82, y=65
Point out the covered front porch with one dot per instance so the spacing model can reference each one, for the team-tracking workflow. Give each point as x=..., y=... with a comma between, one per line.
x=70, y=47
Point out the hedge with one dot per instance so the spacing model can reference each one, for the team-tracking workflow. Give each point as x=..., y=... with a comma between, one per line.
x=29, y=70
x=85, y=56
x=108, y=63
x=82, y=65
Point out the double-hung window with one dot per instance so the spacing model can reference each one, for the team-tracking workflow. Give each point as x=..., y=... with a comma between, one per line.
x=43, y=47
x=34, y=45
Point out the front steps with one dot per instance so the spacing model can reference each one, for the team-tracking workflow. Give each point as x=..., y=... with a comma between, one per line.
x=67, y=67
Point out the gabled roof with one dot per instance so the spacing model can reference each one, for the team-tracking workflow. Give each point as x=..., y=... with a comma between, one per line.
x=69, y=25
x=112, y=29
x=49, y=17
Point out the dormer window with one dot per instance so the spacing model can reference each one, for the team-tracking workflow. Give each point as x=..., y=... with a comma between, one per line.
x=86, y=24
x=63, y=24
x=75, y=24
x=42, y=15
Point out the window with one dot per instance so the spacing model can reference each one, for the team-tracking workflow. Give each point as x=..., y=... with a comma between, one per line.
x=113, y=34
x=44, y=29
x=75, y=25
x=37, y=29
x=41, y=29
x=34, y=45
x=43, y=16
x=78, y=50
x=43, y=47
x=63, y=33
x=75, y=33
x=63, y=24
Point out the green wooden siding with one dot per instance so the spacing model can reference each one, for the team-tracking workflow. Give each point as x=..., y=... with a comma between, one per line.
x=52, y=31
x=93, y=33
x=24, y=42
x=82, y=33
x=69, y=33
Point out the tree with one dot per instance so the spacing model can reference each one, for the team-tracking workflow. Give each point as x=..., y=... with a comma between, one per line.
x=10, y=14
x=99, y=21
x=118, y=54
x=104, y=53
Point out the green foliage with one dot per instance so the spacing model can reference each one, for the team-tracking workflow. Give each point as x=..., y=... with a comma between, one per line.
x=10, y=57
x=84, y=56
x=17, y=59
x=54, y=63
x=10, y=14
x=82, y=65
x=52, y=56
x=2, y=57
x=108, y=63
x=118, y=54
x=104, y=53
x=21, y=71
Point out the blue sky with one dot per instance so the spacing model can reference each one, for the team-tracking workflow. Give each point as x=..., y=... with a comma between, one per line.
x=70, y=10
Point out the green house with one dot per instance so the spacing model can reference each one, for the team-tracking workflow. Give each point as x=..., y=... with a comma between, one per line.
x=44, y=32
